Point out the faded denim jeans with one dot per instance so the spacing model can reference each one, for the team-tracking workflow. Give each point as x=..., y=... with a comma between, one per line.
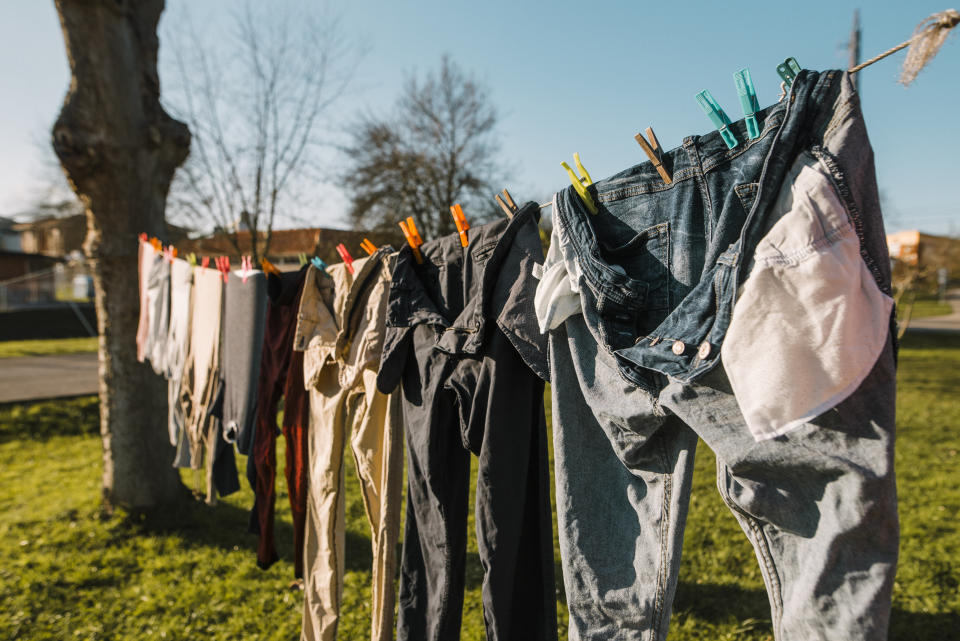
x=798, y=408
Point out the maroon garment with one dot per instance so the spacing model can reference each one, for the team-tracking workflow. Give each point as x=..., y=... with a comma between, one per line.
x=281, y=375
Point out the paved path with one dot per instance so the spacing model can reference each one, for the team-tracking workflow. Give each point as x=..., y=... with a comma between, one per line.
x=947, y=323
x=29, y=378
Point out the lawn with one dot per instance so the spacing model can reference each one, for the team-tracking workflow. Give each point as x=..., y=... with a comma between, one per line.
x=72, y=572
x=40, y=347
x=925, y=306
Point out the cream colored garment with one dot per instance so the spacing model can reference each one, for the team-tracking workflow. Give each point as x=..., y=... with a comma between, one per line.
x=146, y=254
x=342, y=334
x=201, y=378
x=810, y=320
x=178, y=340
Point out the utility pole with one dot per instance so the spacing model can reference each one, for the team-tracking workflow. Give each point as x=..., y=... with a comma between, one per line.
x=854, y=46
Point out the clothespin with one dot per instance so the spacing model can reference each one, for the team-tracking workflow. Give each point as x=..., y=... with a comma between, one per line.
x=718, y=117
x=345, y=255
x=506, y=203
x=302, y=258
x=269, y=267
x=143, y=237
x=748, y=100
x=368, y=247
x=170, y=253
x=205, y=262
x=319, y=264
x=157, y=245
x=413, y=236
x=654, y=152
x=192, y=259
x=223, y=266
x=461, y=222
x=246, y=266
x=788, y=70
x=581, y=183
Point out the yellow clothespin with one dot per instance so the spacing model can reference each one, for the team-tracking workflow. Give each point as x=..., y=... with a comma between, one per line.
x=506, y=203
x=302, y=258
x=368, y=247
x=581, y=184
x=654, y=152
x=410, y=233
x=462, y=224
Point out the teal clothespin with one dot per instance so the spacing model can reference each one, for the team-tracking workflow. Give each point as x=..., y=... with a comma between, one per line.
x=788, y=70
x=748, y=100
x=718, y=117
x=319, y=264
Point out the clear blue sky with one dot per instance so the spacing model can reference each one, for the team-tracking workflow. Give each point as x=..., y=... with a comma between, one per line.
x=575, y=76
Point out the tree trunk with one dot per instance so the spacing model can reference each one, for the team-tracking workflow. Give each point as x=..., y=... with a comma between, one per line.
x=119, y=150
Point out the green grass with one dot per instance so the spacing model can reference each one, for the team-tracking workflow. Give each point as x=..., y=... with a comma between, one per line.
x=70, y=571
x=925, y=306
x=10, y=349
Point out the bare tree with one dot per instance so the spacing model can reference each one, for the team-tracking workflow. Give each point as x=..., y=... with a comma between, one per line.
x=436, y=151
x=255, y=106
x=119, y=150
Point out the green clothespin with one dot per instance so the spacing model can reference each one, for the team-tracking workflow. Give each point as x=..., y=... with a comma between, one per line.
x=581, y=184
x=302, y=258
x=717, y=116
x=192, y=259
x=788, y=70
x=748, y=100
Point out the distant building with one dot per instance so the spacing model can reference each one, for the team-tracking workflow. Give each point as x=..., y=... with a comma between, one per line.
x=917, y=249
x=9, y=239
x=26, y=278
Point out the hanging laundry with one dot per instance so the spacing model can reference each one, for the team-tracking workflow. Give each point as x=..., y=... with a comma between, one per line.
x=200, y=390
x=463, y=345
x=158, y=312
x=341, y=328
x=280, y=376
x=769, y=259
x=244, y=323
x=146, y=256
x=178, y=342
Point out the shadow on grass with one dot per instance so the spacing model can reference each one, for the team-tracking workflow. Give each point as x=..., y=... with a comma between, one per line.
x=719, y=603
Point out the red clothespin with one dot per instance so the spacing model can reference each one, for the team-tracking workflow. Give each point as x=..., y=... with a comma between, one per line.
x=462, y=224
x=223, y=266
x=143, y=237
x=205, y=262
x=345, y=255
x=412, y=236
x=368, y=247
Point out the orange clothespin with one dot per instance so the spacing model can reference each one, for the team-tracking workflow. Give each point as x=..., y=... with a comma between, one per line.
x=462, y=224
x=368, y=247
x=157, y=245
x=345, y=255
x=269, y=267
x=413, y=237
x=205, y=262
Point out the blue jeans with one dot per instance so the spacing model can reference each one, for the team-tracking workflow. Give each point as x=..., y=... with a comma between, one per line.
x=635, y=382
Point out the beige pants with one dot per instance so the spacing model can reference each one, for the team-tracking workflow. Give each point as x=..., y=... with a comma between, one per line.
x=343, y=343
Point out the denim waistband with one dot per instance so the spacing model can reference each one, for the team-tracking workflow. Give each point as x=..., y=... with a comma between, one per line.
x=659, y=264
x=460, y=291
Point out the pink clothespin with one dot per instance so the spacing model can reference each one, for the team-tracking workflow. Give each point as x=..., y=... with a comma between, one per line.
x=246, y=266
x=345, y=255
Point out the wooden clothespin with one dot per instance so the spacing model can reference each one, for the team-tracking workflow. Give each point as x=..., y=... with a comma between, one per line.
x=461, y=222
x=506, y=203
x=413, y=237
x=345, y=255
x=269, y=267
x=368, y=247
x=580, y=183
x=654, y=152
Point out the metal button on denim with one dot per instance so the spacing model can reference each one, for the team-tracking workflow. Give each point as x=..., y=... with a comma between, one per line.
x=678, y=347
x=704, y=350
